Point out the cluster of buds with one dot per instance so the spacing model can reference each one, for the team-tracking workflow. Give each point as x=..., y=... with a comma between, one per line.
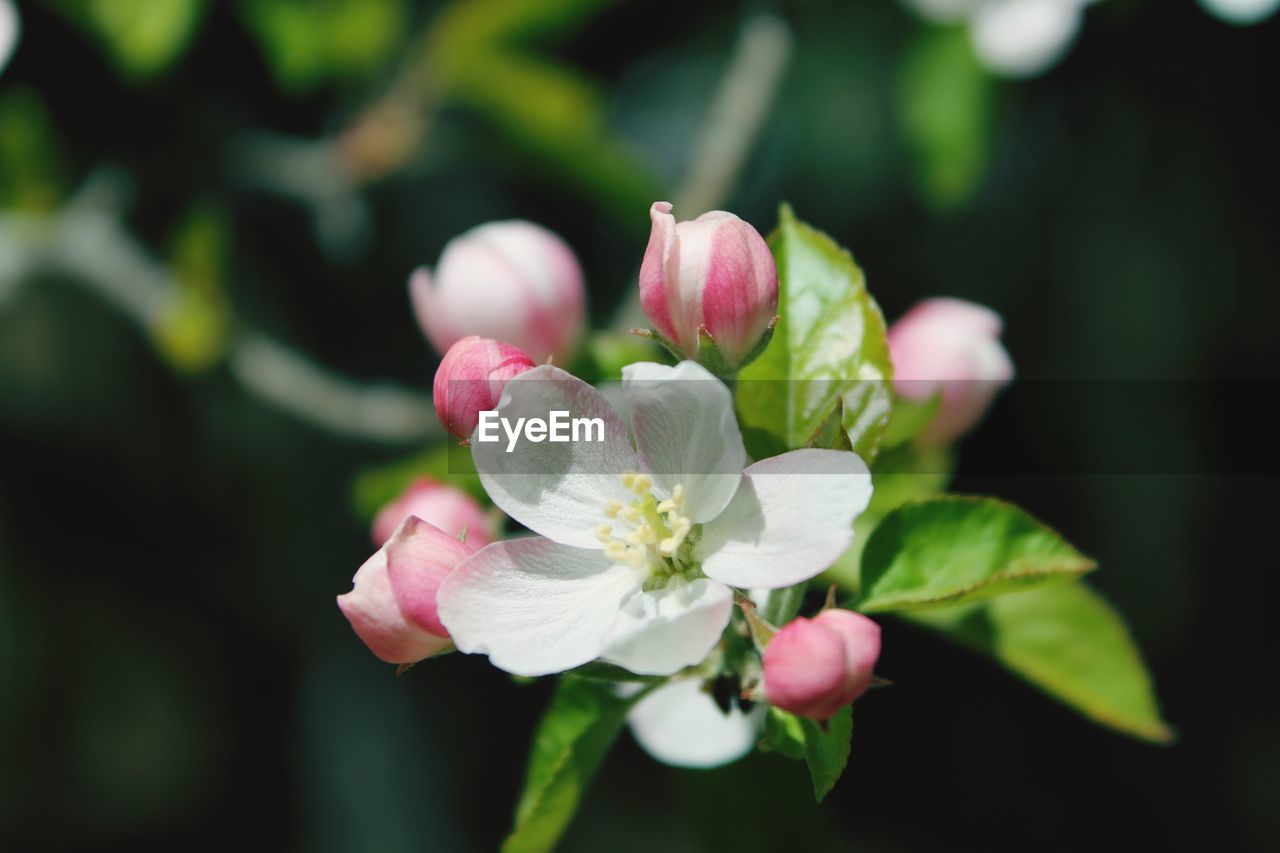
x=507, y=295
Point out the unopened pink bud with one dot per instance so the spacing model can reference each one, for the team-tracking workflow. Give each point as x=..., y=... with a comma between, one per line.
x=952, y=346
x=814, y=667
x=452, y=510
x=714, y=274
x=470, y=380
x=392, y=606
x=511, y=281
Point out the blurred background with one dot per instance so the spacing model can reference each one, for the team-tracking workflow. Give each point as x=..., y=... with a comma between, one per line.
x=209, y=375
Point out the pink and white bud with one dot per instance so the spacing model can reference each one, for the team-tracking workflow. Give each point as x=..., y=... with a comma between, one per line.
x=470, y=380
x=814, y=667
x=440, y=505
x=709, y=286
x=953, y=347
x=392, y=606
x=511, y=281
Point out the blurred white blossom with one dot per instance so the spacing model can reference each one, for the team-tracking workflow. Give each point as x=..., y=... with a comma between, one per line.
x=10, y=30
x=1243, y=12
x=1013, y=38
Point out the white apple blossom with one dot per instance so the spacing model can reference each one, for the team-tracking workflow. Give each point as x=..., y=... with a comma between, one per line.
x=10, y=30
x=1013, y=38
x=681, y=725
x=638, y=549
x=1241, y=12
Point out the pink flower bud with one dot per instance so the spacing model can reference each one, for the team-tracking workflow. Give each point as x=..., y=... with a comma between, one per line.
x=952, y=346
x=392, y=606
x=814, y=667
x=470, y=380
x=714, y=275
x=512, y=281
x=452, y=510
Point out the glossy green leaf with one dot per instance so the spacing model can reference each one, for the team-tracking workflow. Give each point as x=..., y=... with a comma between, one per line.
x=829, y=342
x=568, y=748
x=826, y=750
x=908, y=419
x=783, y=734
x=950, y=549
x=1068, y=641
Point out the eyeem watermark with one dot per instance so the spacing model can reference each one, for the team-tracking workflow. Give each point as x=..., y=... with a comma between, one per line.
x=557, y=427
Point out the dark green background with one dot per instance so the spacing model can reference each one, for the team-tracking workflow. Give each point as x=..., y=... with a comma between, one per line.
x=174, y=673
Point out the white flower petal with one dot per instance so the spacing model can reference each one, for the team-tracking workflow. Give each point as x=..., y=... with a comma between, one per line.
x=1242, y=12
x=1022, y=38
x=533, y=606
x=10, y=31
x=680, y=724
x=792, y=517
x=662, y=632
x=557, y=489
x=686, y=432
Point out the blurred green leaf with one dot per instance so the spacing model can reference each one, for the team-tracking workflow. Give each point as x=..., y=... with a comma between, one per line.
x=952, y=549
x=308, y=42
x=908, y=418
x=1068, y=641
x=465, y=26
x=31, y=157
x=447, y=463
x=831, y=335
x=142, y=37
x=946, y=109
x=568, y=748
x=194, y=335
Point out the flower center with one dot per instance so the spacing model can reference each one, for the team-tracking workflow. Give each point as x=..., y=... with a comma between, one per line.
x=650, y=535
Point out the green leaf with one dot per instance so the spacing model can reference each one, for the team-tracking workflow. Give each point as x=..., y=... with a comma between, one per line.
x=947, y=109
x=309, y=41
x=1068, y=641
x=951, y=549
x=569, y=745
x=447, y=463
x=824, y=748
x=141, y=36
x=829, y=341
x=827, y=750
x=908, y=419
x=865, y=416
x=784, y=734
x=899, y=474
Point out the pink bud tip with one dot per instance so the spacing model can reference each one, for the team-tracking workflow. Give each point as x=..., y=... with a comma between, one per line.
x=470, y=380
x=814, y=667
x=713, y=273
x=452, y=510
x=953, y=347
x=392, y=605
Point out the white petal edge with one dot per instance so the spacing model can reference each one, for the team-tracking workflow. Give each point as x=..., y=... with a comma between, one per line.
x=686, y=432
x=792, y=517
x=662, y=632
x=681, y=725
x=556, y=489
x=533, y=606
